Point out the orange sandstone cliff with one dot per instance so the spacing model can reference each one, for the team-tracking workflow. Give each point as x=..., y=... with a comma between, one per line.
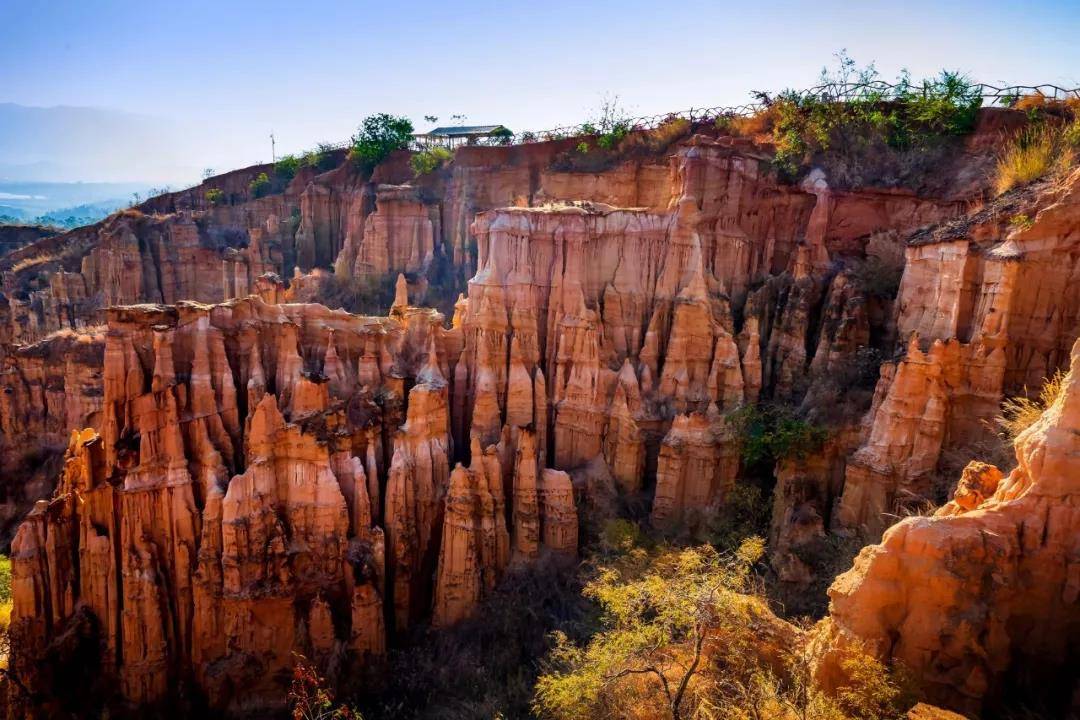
x=263, y=475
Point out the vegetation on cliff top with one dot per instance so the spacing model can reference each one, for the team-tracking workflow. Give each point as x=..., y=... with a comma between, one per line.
x=906, y=122
x=1047, y=146
x=378, y=136
x=430, y=159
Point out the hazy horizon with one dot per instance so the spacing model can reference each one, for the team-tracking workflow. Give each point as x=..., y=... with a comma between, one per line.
x=207, y=86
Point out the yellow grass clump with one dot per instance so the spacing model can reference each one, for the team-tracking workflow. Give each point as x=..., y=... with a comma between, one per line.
x=1036, y=152
x=1020, y=413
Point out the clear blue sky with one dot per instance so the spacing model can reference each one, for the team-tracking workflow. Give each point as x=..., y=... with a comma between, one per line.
x=225, y=73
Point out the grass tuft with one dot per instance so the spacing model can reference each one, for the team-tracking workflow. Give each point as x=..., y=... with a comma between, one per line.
x=1020, y=413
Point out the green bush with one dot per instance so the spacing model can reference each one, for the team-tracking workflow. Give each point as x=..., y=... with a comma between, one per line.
x=320, y=159
x=260, y=186
x=430, y=160
x=614, y=136
x=286, y=167
x=214, y=196
x=904, y=118
x=378, y=136
x=770, y=433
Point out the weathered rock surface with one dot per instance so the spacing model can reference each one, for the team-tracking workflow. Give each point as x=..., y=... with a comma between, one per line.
x=263, y=478
x=980, y=600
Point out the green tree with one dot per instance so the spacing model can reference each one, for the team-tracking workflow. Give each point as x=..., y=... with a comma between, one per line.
x=378, y=136
x=657, y=614
x=286, y=167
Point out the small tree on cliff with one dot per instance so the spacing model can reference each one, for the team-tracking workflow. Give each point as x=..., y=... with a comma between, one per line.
x=657, y=614
x=378, y=136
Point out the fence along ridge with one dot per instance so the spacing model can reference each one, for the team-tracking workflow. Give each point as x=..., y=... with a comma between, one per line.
x=836, y=92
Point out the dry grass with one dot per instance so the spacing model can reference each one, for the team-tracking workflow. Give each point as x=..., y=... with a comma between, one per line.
x=746, y=126
x=1037, y=152
x=29, y=262
x=1040, y=102
x=1020, y=413
x=669, y=131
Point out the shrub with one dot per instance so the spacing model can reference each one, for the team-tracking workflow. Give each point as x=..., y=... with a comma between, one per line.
x=378, y=136
x=310, y=698
x=502, y=136
x=286, y=167
x=1020, y=413
x=486, y=665
x=612, y=137
x=430, y=160
x=321, y=159
x=653, y=608
x=582, y=147
x=668, y=132
x=770, y=433
x=260, y=186
x=214, y=196
x=528, y=137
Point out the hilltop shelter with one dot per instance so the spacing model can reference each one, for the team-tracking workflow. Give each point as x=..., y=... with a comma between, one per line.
x=452, y=137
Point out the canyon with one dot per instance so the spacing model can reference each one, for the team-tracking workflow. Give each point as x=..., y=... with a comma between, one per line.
x=214, y=467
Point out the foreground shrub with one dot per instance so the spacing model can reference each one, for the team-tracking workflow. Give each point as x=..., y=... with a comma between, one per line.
x=378, y=136
x=214, y=196
x=485, y=667
x=651, y=605
x=429, y=160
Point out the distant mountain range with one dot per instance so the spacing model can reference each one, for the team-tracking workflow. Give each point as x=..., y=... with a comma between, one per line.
x=83, y=144
x=64, y=205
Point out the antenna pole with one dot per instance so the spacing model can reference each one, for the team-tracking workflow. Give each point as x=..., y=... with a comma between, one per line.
x=273, y=148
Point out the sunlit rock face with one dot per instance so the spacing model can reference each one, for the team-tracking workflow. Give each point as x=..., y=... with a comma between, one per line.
x=979, y=600
x=262, y=477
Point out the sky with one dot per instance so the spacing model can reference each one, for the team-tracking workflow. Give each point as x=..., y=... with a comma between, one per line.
x=214, y=79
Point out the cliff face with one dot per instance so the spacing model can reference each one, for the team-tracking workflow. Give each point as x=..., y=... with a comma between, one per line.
x=263, y=477
x=980, y=599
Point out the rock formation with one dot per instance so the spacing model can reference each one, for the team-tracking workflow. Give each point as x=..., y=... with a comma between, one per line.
x=262, y=476
x=981, y=598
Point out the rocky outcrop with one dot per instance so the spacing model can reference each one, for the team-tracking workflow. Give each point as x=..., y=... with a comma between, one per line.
x=223, y=517
x=979, y=601
x=986, y=308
